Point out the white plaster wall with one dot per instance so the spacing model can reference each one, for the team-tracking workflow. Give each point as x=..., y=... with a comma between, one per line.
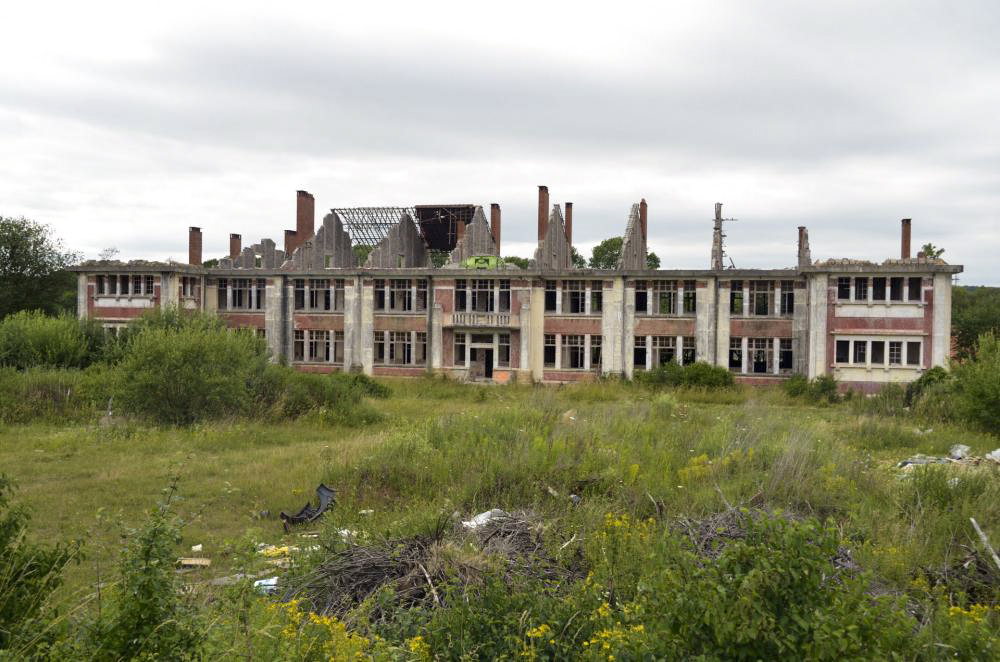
x=941, y=345
x=818, y=294
x=704, y=329
x=722, y=330
x=612, y=326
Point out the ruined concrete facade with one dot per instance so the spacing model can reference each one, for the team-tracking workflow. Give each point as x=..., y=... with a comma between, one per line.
x=864, y=323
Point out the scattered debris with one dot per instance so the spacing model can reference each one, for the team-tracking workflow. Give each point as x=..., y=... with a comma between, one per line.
x=267, y=586
x=575, y=498
x=920, y=458
x=196, y=548
x=368, y=512
x=483, y=519
x=569, y=415
x=325, y=497
x=194, y=562
x=986, y=542
x=994, y=455
x=959, y=456
x=959, y=452
x=263, y=514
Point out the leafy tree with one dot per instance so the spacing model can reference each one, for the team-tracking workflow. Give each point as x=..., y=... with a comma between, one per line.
x=361, y=252
x=930, y=250
x=521, y=262
x=974, y=311
x=578, y=260
x=33, y=267
x=607, y=254
x=210, y=264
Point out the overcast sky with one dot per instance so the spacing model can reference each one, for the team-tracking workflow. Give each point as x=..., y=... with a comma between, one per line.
x=121, y=124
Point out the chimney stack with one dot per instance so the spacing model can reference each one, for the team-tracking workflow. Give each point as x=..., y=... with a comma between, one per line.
x=905, y=249
x=194, y=246
x=235, y=246
x=569, y=223
x=289, y=243
x=305, y=217
x=543, y=211
x=642, y=218
x=495, y=224
x=805, y=257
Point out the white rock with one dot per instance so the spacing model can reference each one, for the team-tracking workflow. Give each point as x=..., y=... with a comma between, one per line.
x=483, y=519
x=959, y=452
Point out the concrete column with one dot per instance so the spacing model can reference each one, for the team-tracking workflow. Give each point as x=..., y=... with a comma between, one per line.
x=679, y=350
x=649, y=352
x=288, y=321
x=818, y=287
x=586, y=296
x=82, y=295
x=366, y=341
x=435, y=334
x=704, y=325
x=744, y=347
x=746, y=299
x=777, y=298
x=274, y=316
x=536, y=344
x=680, y=297
x=586, y=352
x=776, y=353
x=721, y=323
x=558, y=351
x=559, y=297
x=524, y=364
x=941, y=329
x=614, y=312
x=229, y=294
x=627, y=328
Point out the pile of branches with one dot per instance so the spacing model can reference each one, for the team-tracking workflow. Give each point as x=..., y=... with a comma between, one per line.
x=972, y=574
x=425, y=571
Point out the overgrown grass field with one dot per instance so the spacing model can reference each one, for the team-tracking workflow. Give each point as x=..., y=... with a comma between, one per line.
x=441, y=448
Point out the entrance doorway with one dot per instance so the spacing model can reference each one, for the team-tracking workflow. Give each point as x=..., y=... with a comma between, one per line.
x=481, y=363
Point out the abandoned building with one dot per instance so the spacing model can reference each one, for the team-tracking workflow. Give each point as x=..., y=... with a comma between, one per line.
x=474, y=317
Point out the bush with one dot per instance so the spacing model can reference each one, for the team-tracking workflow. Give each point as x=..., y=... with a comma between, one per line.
x=821, y=389
x=33, y=339
x=796, y=386
x=43, y=394
x=191, y=374
x=697, y=375
x=977, y=385
x=889, y=401
x=915, y=389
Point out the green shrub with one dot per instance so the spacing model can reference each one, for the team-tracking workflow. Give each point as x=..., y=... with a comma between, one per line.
x=796, y=386
x=824, y=389
x=31, y=339
x=191, y=374
x=43, y=394
x=889, y=401
x=695, y=375
x=915, y=389
x=664, y=405
x=977, y=385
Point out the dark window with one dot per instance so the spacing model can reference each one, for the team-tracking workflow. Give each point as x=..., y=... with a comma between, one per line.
x=338, y=294
x=878, y=352
x=861, y=289
x=149, y=285
x=400, y=295
x=787, y=297
x=222, y=299
x=595, y=352
x=461, y=297
x=420, y=348
x=761, y=355
x=736, y=354
x=640, y=298
x=550, y=301
x=137, y=285
x=379, y=294
x=572, y=352
x=843, y=288
x=261, y=293
x=896, y=288
x=639, y=352
x=761, y=292
x=878, y=289
x=504, y=297
x=860, y=351
x=319, y=346
x=574, y=296
x=100, y=284
x=916, y=286
x=460, y=349
x=319, y=294
x=379, y=347
x=549, y=357
x=400, y=349
x=123, y=284
x=688, y=351
x=895, y=352
x=913, y=353
x=843, y=351
x=338, y=346
x=785, y=355
x=503, y=349
x=736, y=297
x=300, y=294
x=596, y=297
x=421, y=294
x=482, y=296
x=664, y=297
x=664, y=350
x=690, y=297
x=299, y=346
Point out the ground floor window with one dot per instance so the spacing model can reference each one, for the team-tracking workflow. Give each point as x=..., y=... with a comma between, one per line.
x=299, y=346
x=401, y=347
x=503, y=350
x=761, y=355
x=664, y=350
x=736, y=354
x=785, y=355
x=319, y=346
x=572, y=352
x=459, y=348
x=688, y=354
x=639, y=353
x=595, y=352
x=549, y=356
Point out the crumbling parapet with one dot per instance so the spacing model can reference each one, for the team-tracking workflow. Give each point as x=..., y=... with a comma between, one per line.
x=330, y=248
x=477, y=239
x=402, y=248
x=554, y=250
x=633, y=256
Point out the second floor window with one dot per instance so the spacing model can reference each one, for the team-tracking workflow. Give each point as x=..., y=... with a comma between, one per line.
x=787, y=297
x=574, y=297
x=401, y=295
x=761, y=295
x=690, y=297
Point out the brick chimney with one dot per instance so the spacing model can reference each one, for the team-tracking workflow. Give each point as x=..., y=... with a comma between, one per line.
x=305, y=217
x=289, y=243
x=905, y=248
x=235, y=246
x=569, y=223
x=194, y=246
x=543, y=211
x=642, y=218
x=495, y=224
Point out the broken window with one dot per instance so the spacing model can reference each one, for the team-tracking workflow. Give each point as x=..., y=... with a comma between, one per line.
x=300, y=294
x=221, y=298
x=639, y=352
x=299, y=346
x=459, y=348
x=338, y=346
x=761, y=296
x=913, y=352
x=688, y=350
x=861, y=288
x=319, y=294
x=400, y=349
x=379, y=347
x=261, y=293
x=915, y=289
x=878, y=352
x=878, y=288
x=595, y=352
x=379, y=294
x=550, y=296
x=137, y=284
x=787, y=297
x=861, y=351
x=421, y=303
x=736, y=297
x=895, y=352
x=461, y=296
x=338, y=294
x=504, y=304
x=596, y=296
x=420, y=348
x=123, y=284
x=319, y=346
x=664, y=297
x=844, y=288
x=690, y=297
x=843, y=351
x=572, y=352
x=100, y=285
x=641, y=303
x=482, y=295
x=761, y=355
x=574, y=294
x=736, y=354
x=503, y=350
x=549, y=356
x=241, y=293
x=785, y=355
x=400, y=295
x=896, y=288
x=112, y=285
x=664, y=350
